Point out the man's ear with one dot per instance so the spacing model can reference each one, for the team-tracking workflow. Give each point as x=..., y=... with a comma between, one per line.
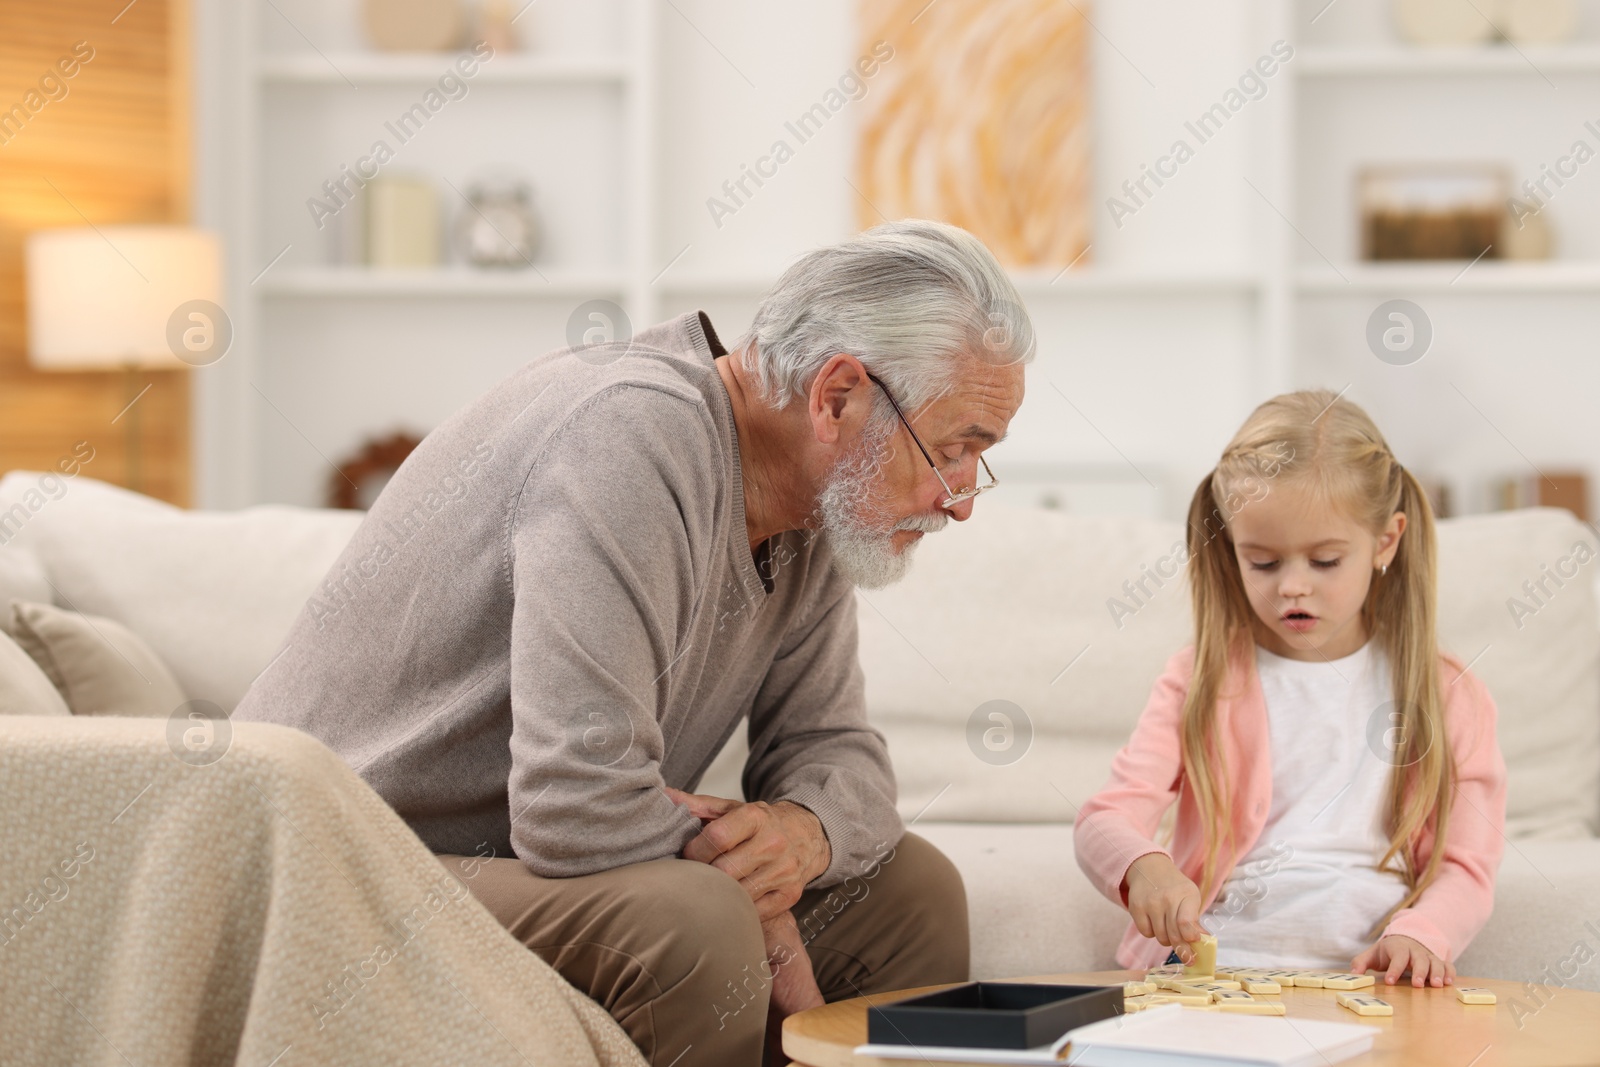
x=838, y=399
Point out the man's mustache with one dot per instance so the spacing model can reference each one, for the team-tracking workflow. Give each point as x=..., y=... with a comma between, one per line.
x=924, y=523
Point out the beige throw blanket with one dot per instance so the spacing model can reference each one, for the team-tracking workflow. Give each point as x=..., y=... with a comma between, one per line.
x=263, y=909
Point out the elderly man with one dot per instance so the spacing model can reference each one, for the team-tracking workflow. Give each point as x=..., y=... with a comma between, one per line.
x=577, y=588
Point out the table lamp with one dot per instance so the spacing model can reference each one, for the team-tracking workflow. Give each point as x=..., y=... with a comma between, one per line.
x=101, y=298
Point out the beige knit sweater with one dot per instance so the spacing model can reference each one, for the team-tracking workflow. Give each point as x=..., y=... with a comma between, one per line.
x=552, y=610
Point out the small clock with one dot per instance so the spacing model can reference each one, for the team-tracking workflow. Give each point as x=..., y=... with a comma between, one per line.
x=497, y=227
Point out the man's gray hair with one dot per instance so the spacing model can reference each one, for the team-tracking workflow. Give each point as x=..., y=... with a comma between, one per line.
x=913, y=300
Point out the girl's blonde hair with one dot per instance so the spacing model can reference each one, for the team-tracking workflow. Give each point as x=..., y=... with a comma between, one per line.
x=1330, y=447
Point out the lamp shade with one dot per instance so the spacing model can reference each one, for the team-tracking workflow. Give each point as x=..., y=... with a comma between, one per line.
x=104, y=297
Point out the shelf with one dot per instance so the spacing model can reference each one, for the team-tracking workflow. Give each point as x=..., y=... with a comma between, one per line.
x=1083, y=281
x=442, y=282
x=1121, y=281
x=416, y=68
x=752, y=282
x=1533, y=60
x=1404, y=279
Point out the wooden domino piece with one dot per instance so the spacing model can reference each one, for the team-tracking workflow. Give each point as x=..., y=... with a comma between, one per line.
x=1179, y=985
x=1365, y=1004
x=1253, y=984
x=1137, y=989
x=1186, y=999
x=1216, y=987
x=1133, y=1004
x=1281, y=975
x=1306, y=979
x=1346, y=981
x=1205, y=956
x=1467, y=994
x=1247, y=1005
x=1169, y=970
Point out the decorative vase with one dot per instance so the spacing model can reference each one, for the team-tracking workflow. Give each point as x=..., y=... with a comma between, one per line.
x=1539, y=21
x=414, y=25
x=1441, y=23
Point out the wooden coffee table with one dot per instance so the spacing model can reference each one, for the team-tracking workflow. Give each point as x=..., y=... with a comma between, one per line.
x=1429, y=1026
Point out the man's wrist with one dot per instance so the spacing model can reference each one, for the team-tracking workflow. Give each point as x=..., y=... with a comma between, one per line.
x=824, y=850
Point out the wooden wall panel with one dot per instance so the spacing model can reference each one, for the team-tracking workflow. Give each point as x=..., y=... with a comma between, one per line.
x=114, y=149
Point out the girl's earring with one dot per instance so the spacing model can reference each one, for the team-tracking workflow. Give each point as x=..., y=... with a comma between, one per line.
x=1383, y=570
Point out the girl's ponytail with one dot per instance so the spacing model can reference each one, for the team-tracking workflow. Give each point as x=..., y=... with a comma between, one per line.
x=1221, y=631
x=1403, y=615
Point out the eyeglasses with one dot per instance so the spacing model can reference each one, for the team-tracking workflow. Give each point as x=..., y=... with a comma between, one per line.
x=952, y=497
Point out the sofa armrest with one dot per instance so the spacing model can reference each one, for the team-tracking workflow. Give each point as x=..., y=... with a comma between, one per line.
x=1546, y=923
x=1031, y=909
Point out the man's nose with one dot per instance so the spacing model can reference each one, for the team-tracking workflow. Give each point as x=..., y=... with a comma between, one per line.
x=963, y=511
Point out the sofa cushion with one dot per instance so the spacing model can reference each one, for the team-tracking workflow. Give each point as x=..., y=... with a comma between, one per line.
x=99, y=666
x=1069, y=620
x=1034, y=913
x=1013, y=606
x=1545, y=928
x=21, y=577
x=24, y=689
x=213, y=593
x=1537, y=650
x=1031, y=910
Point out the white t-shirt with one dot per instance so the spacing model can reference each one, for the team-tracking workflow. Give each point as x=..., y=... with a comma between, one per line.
x=1309, y=891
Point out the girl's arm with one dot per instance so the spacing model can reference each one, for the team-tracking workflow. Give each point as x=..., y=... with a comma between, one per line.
x=1118, y=824
x=1455, y=907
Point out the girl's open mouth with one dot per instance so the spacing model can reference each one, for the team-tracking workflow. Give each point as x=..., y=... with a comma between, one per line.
x=1298, y=620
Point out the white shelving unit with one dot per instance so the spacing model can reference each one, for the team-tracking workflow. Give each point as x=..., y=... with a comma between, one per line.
x=1336, y=61
x=1510, y=279
x=1482, y=403
x=1045, y=285
x=1468, y=79
x=446, y=282
x=290, y=91
x=288, y=103
x=366, y=68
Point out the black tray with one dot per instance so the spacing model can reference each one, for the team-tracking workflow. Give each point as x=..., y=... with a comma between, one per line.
x=992, y=1015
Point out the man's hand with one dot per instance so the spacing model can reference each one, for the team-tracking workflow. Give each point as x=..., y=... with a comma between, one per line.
x=794, y=985
x=1163, y=903
x=772, y=850
x=1395, y=955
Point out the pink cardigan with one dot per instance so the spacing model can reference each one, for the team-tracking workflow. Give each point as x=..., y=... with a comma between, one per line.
x=1118, y=824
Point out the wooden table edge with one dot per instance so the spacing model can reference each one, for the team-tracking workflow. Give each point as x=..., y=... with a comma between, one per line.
x=827, y=1036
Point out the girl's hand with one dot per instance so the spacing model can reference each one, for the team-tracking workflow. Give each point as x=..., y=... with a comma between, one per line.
x=1163, y=903
x=1395, y=955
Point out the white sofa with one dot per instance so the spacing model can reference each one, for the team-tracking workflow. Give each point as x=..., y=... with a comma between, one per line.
x=1009, y=606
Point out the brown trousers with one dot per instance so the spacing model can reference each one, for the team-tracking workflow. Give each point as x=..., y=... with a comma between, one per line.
x=673, y=948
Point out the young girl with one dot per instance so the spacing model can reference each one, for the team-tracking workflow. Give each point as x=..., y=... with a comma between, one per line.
x=1340, y=793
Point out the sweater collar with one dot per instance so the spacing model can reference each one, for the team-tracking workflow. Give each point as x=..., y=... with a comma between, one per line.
x=702, y=338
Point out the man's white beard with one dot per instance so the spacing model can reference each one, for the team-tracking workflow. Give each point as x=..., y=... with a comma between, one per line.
x=853, y=518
